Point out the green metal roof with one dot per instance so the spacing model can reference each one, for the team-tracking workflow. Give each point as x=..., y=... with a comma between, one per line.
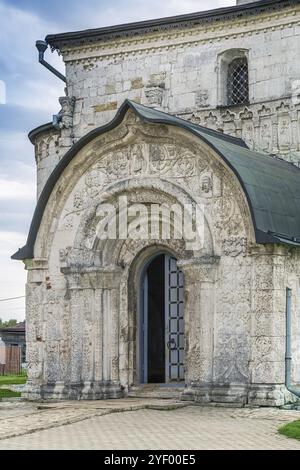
x=271, y=185
x=174, y=23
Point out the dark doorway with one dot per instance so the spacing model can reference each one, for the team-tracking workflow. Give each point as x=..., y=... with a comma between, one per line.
x=156, y=320
x=162, y=322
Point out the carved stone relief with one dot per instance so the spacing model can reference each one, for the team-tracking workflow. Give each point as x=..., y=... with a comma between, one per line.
x=272, y=128
x=154, y=95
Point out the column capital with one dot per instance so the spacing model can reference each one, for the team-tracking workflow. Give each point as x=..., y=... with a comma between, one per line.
x=106, y=277
x=199, y=269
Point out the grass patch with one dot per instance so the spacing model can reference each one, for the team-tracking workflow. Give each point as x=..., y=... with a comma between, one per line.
x=8, y=394
x=13, y=379
x=291, y=430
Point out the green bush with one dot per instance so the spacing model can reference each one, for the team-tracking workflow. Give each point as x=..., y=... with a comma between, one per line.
x=4, y=393
x=291, y=430
x=13, y=379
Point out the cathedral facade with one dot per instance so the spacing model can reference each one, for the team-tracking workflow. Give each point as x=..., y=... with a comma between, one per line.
x=163, y=120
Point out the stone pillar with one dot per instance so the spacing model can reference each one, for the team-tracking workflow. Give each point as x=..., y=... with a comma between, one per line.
x=294, y=131
x=127, y=335
x=76, y=341
x=35, y=338
x=199, y=280
x=267, y=364
x=274, y=122
x=97, y=336
x=94, y=305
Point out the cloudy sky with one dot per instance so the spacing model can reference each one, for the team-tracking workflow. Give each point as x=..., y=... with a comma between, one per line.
x=32, y=98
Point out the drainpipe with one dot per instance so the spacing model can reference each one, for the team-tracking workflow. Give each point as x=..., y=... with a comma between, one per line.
x=288, y=345
x=41, y=47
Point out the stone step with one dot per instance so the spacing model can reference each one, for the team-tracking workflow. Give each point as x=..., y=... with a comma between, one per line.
x=155, y=391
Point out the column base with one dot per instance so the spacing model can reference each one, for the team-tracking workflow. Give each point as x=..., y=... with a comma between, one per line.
x=248, y=394
x=270, y=395
x=211, y=393
x=73, y=391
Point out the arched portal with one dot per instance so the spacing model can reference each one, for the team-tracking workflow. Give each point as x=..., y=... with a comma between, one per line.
x=161, y=315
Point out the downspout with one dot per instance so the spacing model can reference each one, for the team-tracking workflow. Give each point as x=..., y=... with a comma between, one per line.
x=41, y=47
x=288, y=345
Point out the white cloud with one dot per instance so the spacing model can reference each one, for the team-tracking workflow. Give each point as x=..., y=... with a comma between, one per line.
x=14, y=190
x=29, y=84
x=12, y=276
x=89, y=15
x=11, y=241
x=38, y=95
x=17, y=157
x=19, y=31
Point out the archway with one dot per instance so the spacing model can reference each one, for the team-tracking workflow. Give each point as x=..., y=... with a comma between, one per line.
x=161, y=314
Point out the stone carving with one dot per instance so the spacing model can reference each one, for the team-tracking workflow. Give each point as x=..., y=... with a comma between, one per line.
x=246, y=114
x=234, y=246
x=264, y=111
x=139, y=159
x=284, y=133
x=186, y=165
x=268, y=128
x=67, y=110
x=211, y=121
x=161, y=157
x=67, y=222
x=46, y=146
x=206, y=184
x=201, y=164
x=228, y=220
x=145, y=159
x=248, y=133
x=228, y=117
x=154, y=95
x=196, y=119
x=233, y=363
x=265, y=135
x=95, y=284
x=79, y=200
x=202, y=99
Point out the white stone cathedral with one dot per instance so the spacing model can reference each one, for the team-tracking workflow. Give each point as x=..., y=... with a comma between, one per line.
x=199, y=111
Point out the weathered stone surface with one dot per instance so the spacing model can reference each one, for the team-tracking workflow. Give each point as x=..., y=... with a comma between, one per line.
x=83, y=291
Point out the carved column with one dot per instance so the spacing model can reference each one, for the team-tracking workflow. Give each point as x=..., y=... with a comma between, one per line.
x=294, y=131
x=94, y=303
x=274, y=122
x=238, y=128
x=199, y=278
x=76, y=333
x=35, y=338
x=267, y=363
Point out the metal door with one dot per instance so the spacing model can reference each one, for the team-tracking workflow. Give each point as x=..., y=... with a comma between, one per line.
x=174, y=321
x=144, y=332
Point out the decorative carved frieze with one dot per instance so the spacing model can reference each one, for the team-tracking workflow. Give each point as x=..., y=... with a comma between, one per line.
x=272, y=128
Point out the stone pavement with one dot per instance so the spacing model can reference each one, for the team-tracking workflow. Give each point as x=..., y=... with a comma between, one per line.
x=141, y=424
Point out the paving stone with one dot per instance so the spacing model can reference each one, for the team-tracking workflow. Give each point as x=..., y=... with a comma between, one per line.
x=189, y=427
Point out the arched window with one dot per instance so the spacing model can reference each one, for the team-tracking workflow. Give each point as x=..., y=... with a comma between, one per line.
x=238, y=82
x=233, y=77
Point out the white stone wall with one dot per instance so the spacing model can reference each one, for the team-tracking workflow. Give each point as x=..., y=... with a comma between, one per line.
x=180, y=72
x=82, y=305
x=81, y=316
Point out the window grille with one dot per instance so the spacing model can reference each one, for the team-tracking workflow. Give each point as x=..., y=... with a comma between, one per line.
x=237, y=82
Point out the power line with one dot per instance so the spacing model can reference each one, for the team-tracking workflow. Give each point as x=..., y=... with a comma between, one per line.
x=13, y=298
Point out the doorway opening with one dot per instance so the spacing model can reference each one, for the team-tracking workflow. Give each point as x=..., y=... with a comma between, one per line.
x=162, y=321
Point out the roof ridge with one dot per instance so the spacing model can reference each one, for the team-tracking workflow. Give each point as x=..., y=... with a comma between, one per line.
x=165, y=23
